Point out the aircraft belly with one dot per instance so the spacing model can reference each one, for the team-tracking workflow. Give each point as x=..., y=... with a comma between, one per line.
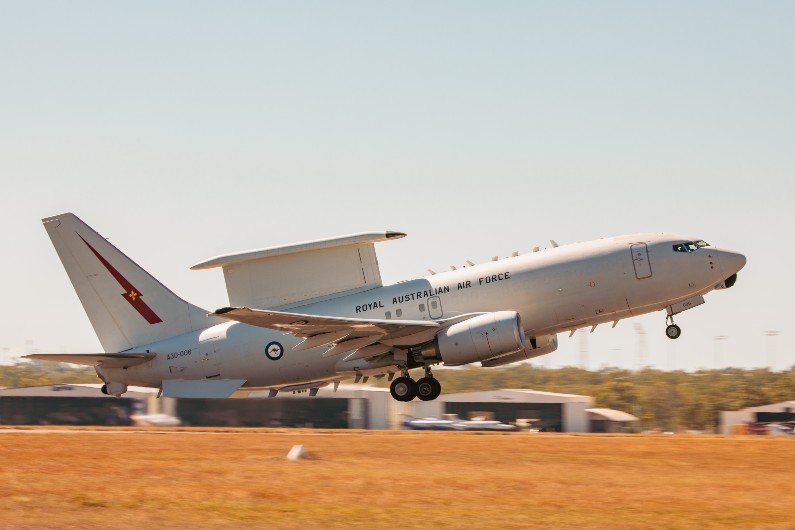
x=585, y=292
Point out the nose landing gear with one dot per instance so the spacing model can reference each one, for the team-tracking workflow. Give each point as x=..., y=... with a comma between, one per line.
x=672, y=331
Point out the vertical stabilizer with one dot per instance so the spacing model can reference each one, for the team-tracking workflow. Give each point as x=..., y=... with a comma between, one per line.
x=125, y=304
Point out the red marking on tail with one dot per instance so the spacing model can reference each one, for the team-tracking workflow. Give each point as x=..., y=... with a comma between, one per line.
x=131, y=294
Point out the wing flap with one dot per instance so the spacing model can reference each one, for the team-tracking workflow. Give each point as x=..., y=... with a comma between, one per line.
x=307, y=326
x=109, y=360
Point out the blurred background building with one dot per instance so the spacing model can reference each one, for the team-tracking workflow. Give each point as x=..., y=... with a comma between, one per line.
x=351, y=406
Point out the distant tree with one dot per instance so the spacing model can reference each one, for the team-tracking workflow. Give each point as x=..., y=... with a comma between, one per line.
x=37, y=373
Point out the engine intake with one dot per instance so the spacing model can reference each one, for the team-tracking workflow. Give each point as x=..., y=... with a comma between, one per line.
x=481, y=337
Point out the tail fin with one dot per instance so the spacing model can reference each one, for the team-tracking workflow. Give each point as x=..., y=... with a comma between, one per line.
x=125, y=304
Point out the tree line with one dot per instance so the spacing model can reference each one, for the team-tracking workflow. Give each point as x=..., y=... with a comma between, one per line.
x=670, y=401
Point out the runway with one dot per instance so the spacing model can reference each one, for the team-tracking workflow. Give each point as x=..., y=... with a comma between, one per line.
x=372, y=479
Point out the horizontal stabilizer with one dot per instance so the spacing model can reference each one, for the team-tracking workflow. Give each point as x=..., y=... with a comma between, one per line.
x=201, y=388
x=107, y=360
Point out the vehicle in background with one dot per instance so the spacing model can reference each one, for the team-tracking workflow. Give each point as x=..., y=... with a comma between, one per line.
x=455, y=424
x=155, y=420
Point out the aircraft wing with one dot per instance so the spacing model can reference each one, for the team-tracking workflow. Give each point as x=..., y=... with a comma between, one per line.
x=347, y=334
x=110, y=360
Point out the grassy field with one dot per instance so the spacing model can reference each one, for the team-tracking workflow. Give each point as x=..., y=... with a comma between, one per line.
x=355, y=479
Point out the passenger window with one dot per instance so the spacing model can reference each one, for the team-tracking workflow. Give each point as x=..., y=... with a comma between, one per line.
x=422, y=308
x=388, y=315
x=398, y=313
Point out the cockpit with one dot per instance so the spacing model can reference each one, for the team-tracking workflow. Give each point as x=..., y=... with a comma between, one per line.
x=690, y=246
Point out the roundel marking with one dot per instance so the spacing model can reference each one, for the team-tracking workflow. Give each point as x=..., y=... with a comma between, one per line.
x=274, y=350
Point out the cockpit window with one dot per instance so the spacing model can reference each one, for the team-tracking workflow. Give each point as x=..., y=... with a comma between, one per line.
x=690, y=246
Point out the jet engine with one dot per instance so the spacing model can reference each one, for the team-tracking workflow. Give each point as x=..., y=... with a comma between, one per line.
x=114, y=389
x=535, y=348
x=481, y=337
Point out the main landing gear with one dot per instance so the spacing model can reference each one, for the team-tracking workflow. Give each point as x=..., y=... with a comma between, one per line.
x=404, y=388
x=672, y=331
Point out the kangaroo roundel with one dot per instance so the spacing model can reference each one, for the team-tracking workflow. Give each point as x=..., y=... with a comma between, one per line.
x=274, y=350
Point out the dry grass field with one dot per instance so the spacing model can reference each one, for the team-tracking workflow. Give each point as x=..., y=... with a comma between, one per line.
x=241, y=479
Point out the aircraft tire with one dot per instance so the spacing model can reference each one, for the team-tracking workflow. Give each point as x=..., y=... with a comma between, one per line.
x=403, y=389
x=428, y=388
x=673, y=331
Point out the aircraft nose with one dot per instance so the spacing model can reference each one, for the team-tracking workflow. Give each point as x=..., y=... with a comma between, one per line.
x=731, y=262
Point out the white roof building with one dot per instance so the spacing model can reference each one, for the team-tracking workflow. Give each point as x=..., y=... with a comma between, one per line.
x=549, y=410
x=728, y=418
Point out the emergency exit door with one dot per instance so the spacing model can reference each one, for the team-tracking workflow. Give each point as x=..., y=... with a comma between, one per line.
x=640, y=260
x=435, y=307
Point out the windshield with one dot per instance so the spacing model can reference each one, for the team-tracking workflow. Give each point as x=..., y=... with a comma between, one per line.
x=690, y=246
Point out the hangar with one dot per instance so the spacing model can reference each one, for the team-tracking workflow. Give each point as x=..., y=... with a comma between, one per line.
x=350, y=407
x=66, y=404
x=609, y=420
x=775, y=412
x=547, y=411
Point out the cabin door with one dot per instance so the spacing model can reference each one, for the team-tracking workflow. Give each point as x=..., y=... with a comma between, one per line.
x=210, y=364
x=640, y=260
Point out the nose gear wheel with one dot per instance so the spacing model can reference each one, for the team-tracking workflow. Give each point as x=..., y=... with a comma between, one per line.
x=673, y=331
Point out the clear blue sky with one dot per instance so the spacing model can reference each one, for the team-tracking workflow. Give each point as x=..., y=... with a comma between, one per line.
x=185, y=129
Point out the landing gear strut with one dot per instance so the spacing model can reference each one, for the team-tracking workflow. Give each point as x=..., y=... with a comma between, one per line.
x=672, y=331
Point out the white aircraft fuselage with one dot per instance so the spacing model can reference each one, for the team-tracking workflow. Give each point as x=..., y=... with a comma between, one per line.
x=553, y=290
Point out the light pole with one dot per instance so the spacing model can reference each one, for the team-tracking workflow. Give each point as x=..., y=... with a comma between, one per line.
x=771, y=349
x=640, y=345
x=584, y=349
x=719, y=351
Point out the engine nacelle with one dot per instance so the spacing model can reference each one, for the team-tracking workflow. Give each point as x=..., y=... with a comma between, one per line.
x=114, y=389
x=543, y=345
x=482, y=337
